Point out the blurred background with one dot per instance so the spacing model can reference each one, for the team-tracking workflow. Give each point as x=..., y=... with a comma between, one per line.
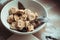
x=53, y=7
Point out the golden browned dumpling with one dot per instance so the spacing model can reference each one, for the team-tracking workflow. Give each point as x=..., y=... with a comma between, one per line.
x=24, y=17
x=10, y=19
x=27, y=23
x=31, y=15
x=16, y=18
x=30, y=28
x=20, y=24
x=20, y=12
x=13, y=10
x=13, y=25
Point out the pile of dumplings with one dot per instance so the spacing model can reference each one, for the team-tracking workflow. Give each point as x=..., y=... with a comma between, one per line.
x=22, y=20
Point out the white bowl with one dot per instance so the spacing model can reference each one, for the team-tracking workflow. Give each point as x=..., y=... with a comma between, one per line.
x=32, y=5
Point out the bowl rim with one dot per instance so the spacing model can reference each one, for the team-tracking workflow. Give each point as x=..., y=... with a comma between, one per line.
x=17, y=32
